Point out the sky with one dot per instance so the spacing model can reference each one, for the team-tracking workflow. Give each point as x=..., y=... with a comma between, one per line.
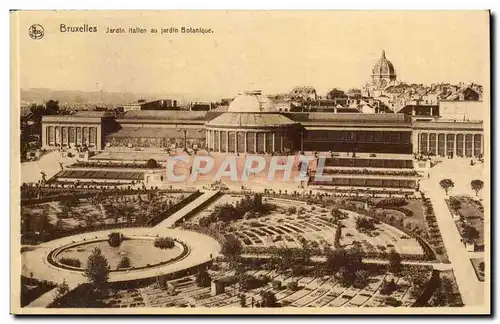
x=271, y=51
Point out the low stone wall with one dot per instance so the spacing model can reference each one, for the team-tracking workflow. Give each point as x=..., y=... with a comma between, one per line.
x=52, y=256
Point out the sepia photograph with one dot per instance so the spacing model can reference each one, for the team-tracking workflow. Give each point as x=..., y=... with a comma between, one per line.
x=250, y=162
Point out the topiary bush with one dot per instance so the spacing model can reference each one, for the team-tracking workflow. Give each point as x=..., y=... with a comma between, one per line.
x=164, y=243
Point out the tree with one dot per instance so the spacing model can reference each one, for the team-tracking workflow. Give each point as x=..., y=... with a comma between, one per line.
x=61, y=290
x=418, y=278
x=243, y=301
x=338, y=236
x=268, y=299
x=351, y=259
x=52, y=107
x=455, y=205
x=97, y=270
x=335, y=93
x=151, y=164
x=469, y=233
x=203, y=279
x=477, y=185
x=394, y=262
x=446, y=184
x=231, y=247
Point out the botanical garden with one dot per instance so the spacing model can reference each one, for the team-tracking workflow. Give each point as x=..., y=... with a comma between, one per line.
x=118, y=248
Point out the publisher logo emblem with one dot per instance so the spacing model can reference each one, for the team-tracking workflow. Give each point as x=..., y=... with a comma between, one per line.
x=36, y=31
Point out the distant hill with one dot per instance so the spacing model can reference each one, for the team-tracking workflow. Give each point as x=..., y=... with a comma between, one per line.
x=75, y=97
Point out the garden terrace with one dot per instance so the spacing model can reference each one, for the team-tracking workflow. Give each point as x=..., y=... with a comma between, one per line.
x=469, y=219
x=365, y=182
x=311, y=291
x=369, y=163
x=113, y=165
x=411, y=218
x=76, y=214
x=53, y=192
x=362, y=191
x=293, y=223
x=371, y=172
x=74, y=175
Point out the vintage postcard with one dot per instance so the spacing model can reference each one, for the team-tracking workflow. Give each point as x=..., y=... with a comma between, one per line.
x=250, y=162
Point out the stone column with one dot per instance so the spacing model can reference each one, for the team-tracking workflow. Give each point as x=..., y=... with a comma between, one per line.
x=213, y=140
x=220, y=140
x=274, y=142
x=265, y=143
x=98, y=139
x=445, y=144
x=454, y=145
x=428, y=143
x=473, y=153
x=464, y=145
x=235, y=142
x=255, y=143
x=302, y=141
x=282, y=141
x=88, y=137
x=45, y=136
x=482, y=145
x=227, y=141
x=245, y=140
x=437, y=144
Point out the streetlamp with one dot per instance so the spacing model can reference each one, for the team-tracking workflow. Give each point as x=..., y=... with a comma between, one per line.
x=185, y=136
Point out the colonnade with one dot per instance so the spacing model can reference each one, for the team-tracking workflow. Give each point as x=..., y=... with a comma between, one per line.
x=233, y=141
x=71, y=135
x=460, y=144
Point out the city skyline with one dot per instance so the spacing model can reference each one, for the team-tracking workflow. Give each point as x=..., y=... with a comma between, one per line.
x=220, y=64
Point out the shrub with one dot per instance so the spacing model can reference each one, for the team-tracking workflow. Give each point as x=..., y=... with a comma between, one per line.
x=391, y=202
x=276, y=284
x=364, y=223
x=268, y=299
x=124, y=263
x=115, y=239
x=293, y=286
x=72, y=262
x=388, y=287
x=164, y=243
x=249, y=282
x=391, y=301
x=362, y=278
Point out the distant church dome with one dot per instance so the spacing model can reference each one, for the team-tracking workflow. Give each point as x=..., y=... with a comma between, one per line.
x=383, y=72
x=251, y=102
